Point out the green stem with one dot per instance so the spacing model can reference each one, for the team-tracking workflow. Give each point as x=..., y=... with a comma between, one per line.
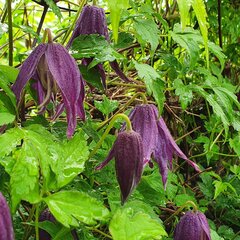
x=94, y=2
x=186, y=204
x=102, y=233
x=36, y=222
x=74, y=21
x=128, y=128
x=139, y=94
x=10, y=32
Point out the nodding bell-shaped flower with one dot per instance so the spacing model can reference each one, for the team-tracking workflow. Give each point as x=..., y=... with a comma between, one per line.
x=55, y=72
x=46, y=215
x=128, y=153
x=157, y=139
x=93, y=21
x=192, y=226
x=6, y=229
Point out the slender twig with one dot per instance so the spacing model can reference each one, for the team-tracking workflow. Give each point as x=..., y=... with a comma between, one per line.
x=197, y=174
x=183, y=136
x=10, y=32
x=45, y=9
x=102, y=233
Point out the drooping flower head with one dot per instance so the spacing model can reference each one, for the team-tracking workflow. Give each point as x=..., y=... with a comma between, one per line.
x=6, y=229
x=93, y=21
x=128, y=153
x=192, y=226
x=54, y=71
x=46, y=215
x=157, y=139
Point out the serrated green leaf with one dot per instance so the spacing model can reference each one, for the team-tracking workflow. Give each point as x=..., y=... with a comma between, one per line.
x=184, y=6
x=153, y=82
x=72, y=156
x=106, y=106
x=9, y=140
x=189, y=40
x=147, y=32
x=116, y=8
x=234, y=143
x=185, y=94
x=183, y=198
x=201, y=14
x=6, y=117
x=127, y=224
x=70, y=206
x=53, y=6
x=94, y=45
x=25, y=175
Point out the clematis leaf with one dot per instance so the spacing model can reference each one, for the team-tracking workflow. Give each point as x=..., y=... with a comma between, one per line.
x=69, y=207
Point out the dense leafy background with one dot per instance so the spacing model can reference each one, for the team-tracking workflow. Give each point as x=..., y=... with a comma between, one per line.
x=185, y=59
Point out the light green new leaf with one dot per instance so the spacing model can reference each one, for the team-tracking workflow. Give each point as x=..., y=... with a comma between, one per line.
x=147, y=32
x=221, y=187
x=106, y=106
x=9, y=140
x=184, y=6
x=25, y=175
x=70, y=206
x=6, y=117
x=72, y=156
x=8, y=75
x=153, y=82
x=201, y=14
x=127, y=224
x=116, y=8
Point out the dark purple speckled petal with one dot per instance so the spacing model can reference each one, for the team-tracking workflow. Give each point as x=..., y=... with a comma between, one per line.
x=190, y=227
x=6, y=229
x=65, y=72
x=28, y=69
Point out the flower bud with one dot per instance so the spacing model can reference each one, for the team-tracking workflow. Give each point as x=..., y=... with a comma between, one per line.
x=128, y=153
x=192, y=226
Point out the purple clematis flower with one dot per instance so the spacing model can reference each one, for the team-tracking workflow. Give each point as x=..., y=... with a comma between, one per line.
x=54, y=71
x=192, y=226
x=128, y=153
x=6, y=229
x=157, y=139
x=93, y=21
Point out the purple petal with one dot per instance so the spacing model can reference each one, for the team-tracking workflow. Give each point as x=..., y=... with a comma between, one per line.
x=65, y=72
x=204, y=224
x=143, y=122
x=6, y=229
x=102, y=74
x=28, y=69
x=58, y=111
x=80, y=107
x=91, y=21
x=129, y=161
x=107, y=160
x=114, y=65
x=161, y=156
